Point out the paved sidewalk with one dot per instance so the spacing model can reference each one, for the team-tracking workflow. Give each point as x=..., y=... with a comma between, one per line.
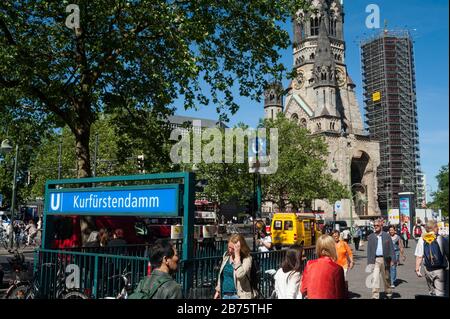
x=408, y=284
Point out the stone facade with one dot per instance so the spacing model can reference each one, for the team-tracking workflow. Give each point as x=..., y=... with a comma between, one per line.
x=322, y=98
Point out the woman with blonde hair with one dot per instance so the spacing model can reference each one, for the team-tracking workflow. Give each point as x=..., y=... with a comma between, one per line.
x=323, y=278
x=234, y=274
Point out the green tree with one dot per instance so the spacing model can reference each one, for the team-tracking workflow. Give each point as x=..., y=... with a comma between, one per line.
x=111, y=157
x=226, y=182
x=301, y=175
x=441, y=195
x=137, y=55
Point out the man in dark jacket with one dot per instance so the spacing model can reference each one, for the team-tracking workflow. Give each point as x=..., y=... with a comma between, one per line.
x=160, y=284
x=381, y=256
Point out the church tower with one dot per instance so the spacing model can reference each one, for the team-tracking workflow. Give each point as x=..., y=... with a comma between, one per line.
x=322, y=99
x=273, y=100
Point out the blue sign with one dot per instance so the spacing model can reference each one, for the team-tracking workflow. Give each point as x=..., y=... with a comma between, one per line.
x=131, y=201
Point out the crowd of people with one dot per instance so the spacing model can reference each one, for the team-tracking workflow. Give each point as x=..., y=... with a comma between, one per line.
x=322, y=278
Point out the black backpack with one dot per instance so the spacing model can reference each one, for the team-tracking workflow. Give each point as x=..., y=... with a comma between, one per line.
x=433, y=255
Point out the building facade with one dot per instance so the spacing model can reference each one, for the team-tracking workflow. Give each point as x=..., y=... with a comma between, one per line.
x=322, y=98
x=391, y=114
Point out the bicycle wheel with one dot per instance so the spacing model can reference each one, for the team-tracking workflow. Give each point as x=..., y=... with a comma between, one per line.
x=74, y=295
x=18, y=292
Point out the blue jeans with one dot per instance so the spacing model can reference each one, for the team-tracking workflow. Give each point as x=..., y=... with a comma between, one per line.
x=394, y=268
x=230, y=297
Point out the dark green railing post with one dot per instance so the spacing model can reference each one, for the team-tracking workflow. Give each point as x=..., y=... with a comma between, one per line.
x=94, y=289
x=188, y=229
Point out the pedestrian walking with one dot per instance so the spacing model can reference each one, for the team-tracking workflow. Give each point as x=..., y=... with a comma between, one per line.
x=234, y=278
x=418, y=230
x=160, y=284
x=405, y=235
x=380, y=257
x=398, y=248
x=287, y=278
x=263, y=240
x=432, y=250
x=344, y=254
x=346, y=235
x=32, y=231
x=323, y=278
x=357, y=237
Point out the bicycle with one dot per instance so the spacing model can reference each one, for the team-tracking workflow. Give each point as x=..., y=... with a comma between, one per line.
x=30, y=289
x=126, y=287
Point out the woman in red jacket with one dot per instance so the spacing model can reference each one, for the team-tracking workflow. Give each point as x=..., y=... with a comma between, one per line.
x=323, y=278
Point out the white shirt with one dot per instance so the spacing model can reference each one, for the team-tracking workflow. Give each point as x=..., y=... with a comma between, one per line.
x=345, y=234
x=262, y=248
x=379, y=251
x=419, y=248
x=287, y=287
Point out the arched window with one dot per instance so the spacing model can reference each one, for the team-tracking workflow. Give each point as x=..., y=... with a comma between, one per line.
x=303, y=122
x=315, y=24
x=294, y=117
x=319, y=126
x=332, y=24
x=332, y=125
x=312, y=56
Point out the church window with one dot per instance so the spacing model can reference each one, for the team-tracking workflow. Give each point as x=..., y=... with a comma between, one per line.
x=295, y=118
x=315, y=24
x=332, y=25
x=332, y=124
x=272, y=114
x=303, y=122
x=312, y=56
x=323, y=76
x=319, y=126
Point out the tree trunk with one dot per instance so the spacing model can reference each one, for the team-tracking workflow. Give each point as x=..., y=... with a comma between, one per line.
x=82, y=135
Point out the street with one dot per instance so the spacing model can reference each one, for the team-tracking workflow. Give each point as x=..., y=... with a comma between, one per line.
x=408, y=284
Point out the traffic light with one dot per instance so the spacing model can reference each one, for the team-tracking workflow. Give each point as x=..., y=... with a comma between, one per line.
x=140, y=163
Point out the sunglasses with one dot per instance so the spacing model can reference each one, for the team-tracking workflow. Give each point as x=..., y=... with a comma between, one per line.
x=376, y=225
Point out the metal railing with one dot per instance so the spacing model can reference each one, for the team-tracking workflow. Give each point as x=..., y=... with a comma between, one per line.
x=98, y=275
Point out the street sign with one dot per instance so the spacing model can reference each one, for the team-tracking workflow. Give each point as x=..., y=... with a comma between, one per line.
x=338, y=207
x=139, y=201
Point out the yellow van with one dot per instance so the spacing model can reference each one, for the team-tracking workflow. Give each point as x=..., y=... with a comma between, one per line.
x=293, y=228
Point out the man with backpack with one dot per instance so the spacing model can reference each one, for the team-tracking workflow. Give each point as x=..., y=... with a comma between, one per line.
x=160, y=284
x=432, y=249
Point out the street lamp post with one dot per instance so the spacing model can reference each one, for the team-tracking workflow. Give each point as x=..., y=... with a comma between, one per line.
x=6, y=148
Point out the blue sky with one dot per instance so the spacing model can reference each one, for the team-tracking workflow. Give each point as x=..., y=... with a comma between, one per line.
x=428, y=23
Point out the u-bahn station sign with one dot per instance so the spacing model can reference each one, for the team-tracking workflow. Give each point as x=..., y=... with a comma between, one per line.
x=148, y=200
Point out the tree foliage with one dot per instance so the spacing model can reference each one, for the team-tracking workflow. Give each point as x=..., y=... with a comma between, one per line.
x=441, y=196
x=135, y=55
x=301, y=175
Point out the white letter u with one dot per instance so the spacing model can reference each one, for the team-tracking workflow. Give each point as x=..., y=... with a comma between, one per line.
x=54, y=206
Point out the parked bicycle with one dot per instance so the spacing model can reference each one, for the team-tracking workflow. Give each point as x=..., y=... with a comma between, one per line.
x=30, y=289
x=125, y=284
